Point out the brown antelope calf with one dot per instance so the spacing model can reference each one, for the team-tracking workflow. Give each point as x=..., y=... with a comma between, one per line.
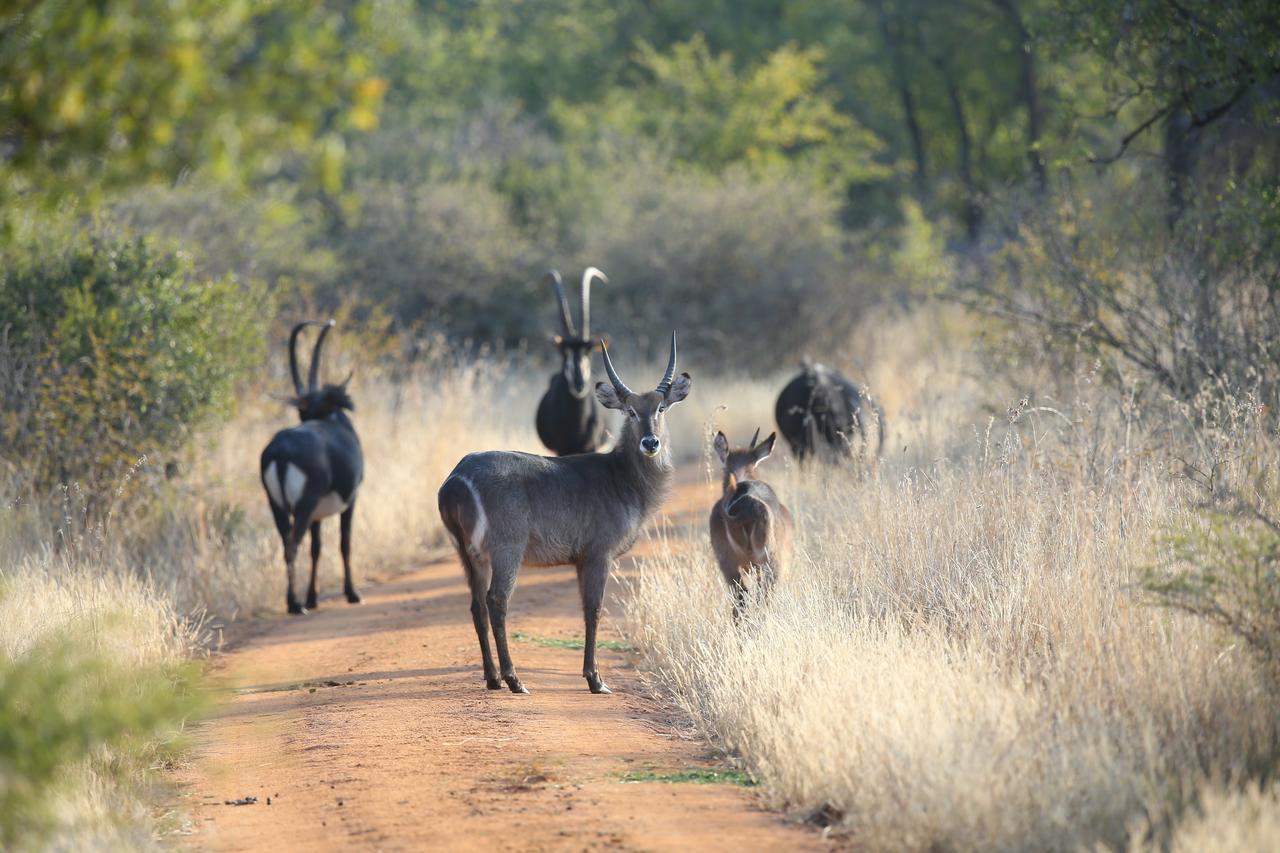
x=751, y=530
x=506, y=509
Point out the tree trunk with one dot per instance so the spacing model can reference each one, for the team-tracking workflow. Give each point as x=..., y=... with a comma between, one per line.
x=1030, y=87
x=893, y=43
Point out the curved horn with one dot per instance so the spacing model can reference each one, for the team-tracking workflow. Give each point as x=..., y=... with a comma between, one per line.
x=293, y=354
x=566, y=319
x=314, y=374
x=623, y=391
x=755, y=438
x=665, y=385
x=588, y=274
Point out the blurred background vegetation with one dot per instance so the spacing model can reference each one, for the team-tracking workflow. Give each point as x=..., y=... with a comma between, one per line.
x=1098, y=183
x=1106, y=174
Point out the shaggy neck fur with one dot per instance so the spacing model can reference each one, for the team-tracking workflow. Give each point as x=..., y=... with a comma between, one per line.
x=648, y=477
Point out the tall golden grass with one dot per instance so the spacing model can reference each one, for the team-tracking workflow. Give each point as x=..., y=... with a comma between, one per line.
x=960, y=655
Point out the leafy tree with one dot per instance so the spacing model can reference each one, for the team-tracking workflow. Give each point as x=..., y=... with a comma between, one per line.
x=103, y=94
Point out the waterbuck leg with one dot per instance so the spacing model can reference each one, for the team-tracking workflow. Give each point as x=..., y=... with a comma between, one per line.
x=504, y=567
x=315, y=564
x=301, y=521
x=348, y=585
x=478, y=579
x=592, y=577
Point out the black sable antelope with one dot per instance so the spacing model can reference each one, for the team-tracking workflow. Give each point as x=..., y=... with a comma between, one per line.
x=313, y=470
x=569, y=420
x=507, y=509
x=820, y=413
x=751, y=529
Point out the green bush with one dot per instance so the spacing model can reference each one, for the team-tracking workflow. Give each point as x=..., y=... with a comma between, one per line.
x=62, y=706
x=751, y=271
x=445, y=253
x=113, y=351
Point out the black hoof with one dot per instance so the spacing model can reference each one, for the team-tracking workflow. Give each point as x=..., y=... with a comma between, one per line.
x=598, y=686
x=515, y=685
x=353, y=597
x=493, y=683
x=296, y=609
x=311, y=603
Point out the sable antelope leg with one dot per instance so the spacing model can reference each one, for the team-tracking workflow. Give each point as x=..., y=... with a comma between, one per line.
x=504, y=565
x=284, y=525
x=315, y=564
x=593, y=574
x=737, y=587
x=301, y=521
x=348, y=585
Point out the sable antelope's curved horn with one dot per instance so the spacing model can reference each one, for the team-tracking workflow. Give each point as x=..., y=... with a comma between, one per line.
x=566, y=319
x=313, y=376
x=755, y=438
x=618, y=385
x=588, y=274
x=665, y=385
x=293, y=354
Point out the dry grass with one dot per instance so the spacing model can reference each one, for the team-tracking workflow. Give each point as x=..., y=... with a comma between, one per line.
x=959, y=657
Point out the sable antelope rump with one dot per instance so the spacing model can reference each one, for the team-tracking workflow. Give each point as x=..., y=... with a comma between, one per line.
x=313, y=470
x=507, y=509
x=751, y=529
x=820, y=413
x=569, y=420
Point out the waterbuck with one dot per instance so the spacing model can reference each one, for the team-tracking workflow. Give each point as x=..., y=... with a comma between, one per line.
x=569, y=420
x=751, y=530
x=313, y=470
x=508, y=509
x=820, y=413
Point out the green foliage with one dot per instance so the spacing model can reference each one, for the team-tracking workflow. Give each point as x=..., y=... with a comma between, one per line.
x=444, y=250
x=115, y=351
x=118, y=93
x=699, y=107
x=1226, y=570
x=60, y=706
x=725, y=257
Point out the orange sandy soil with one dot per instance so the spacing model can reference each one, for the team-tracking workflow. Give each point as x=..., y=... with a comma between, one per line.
x=369, y=727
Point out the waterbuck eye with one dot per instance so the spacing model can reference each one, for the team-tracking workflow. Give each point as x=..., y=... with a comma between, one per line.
x=631, y=413
x=661, y=409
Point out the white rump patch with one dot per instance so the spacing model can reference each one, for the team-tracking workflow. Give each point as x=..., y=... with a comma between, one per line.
x=294, y=483
x=272, y=482
x=482, y=521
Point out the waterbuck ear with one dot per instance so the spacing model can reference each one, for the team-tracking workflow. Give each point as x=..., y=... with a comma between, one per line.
x=721, y=444
x=764, y=448
x=679, y=389
x=608, y=396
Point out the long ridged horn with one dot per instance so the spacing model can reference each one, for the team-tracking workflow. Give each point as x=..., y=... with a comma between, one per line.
x=313, y=376
x=618, y=385
x=665, y=385
x=588, y=274
x=293, y=354
x=566, y=319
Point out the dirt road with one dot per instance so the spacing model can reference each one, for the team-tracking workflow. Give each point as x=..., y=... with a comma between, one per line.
x=369, y=727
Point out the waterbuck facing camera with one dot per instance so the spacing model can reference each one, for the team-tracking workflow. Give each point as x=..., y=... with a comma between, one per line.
x=507, y=509
x=569, y=419
x=313, y=470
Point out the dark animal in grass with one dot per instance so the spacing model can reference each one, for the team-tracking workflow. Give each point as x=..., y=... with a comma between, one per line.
x=823, y=415
x=313, y=471
x=507, y=509
x=569, y=419
x=751, y=529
